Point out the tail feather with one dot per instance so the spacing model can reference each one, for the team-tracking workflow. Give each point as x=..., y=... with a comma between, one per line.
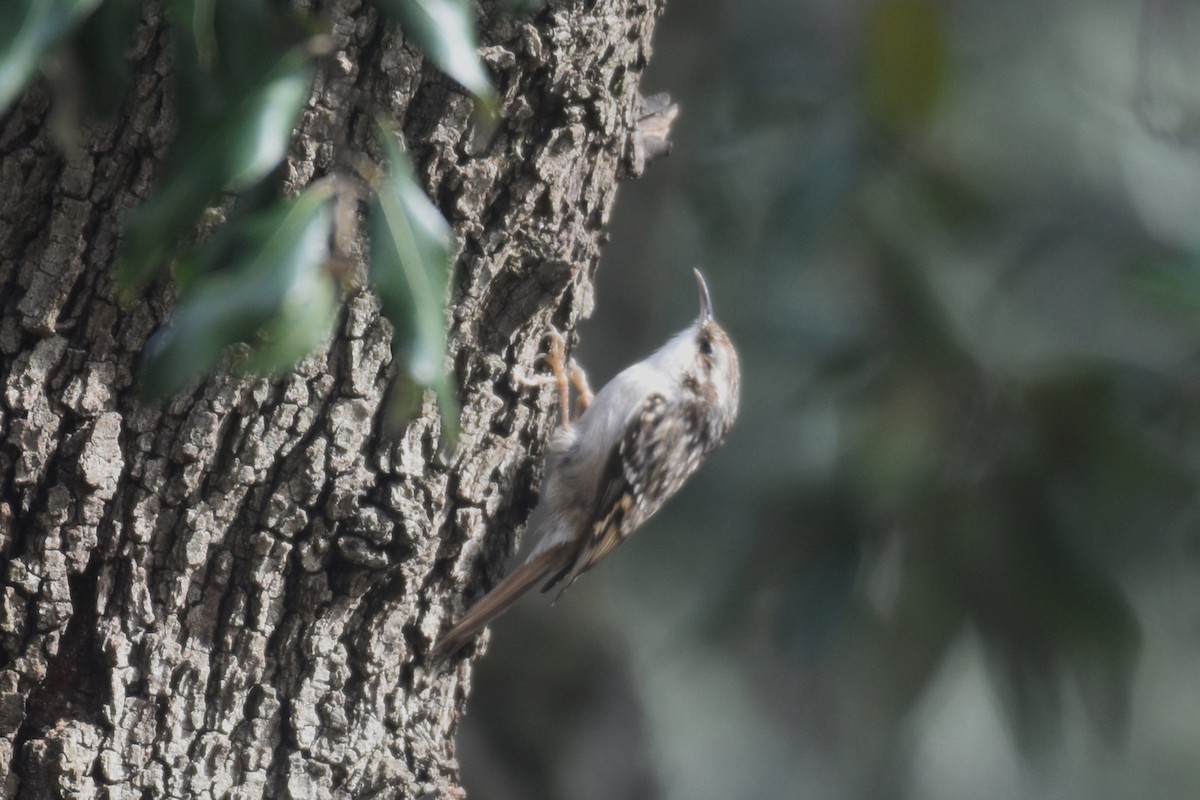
x=497, y=601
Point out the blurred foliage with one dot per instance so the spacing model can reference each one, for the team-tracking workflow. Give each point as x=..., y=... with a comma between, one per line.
x=950, y=549
x=262, y=283
x=445, y=32
x=905, y=59
x=267, y=277
x=243, y=79
x=29, y=29
x=410, y=267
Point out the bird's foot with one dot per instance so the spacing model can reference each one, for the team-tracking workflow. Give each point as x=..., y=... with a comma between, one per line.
x=565, y=373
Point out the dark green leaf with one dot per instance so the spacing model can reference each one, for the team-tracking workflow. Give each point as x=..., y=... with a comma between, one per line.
x=445, y=32
x=220, y=248
x=100, y=50
x=264, y=126
x=300, y=326
x=28, y=30
x=276, y=296
x=410, y=267
x=235, y=154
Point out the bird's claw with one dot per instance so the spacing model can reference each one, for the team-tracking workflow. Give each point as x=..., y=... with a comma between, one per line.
x=565, y=374
x=556, y=356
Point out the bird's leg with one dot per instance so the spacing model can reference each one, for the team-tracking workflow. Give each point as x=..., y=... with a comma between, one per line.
x=566, y=372
x=556, y=359
x=580, y=382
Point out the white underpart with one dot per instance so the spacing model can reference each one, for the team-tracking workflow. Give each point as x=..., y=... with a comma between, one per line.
x=576, y=457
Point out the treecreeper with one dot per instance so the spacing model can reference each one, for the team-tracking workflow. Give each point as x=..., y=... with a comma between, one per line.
x=636, y=442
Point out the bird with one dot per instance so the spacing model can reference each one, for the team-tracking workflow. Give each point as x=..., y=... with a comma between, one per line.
x=635, y=443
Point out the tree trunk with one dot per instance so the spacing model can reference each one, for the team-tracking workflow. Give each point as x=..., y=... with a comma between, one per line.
x=237, y=594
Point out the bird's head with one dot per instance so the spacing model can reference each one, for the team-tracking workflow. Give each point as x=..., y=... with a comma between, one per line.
x=709, y=362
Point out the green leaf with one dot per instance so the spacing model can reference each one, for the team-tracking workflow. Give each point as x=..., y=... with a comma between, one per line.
x=29, y=29
x=264, y=126
x=301, y=325
x=220, y=248
x=410, y=267
x=445, y=32
x=197, y=19
x=100, y=48
x=276, y=295
x=232, y=155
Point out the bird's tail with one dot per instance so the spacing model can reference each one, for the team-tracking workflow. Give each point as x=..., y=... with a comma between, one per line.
x=497, y=601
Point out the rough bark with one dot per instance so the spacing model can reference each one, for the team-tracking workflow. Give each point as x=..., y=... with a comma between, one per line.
x=236, y=594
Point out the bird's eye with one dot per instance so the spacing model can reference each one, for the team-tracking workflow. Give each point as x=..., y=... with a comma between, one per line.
x=706, y=346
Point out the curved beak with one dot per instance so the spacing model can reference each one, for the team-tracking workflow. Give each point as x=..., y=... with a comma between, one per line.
x=705, y=301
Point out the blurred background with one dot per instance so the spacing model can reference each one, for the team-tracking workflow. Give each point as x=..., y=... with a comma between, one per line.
x=952, y=547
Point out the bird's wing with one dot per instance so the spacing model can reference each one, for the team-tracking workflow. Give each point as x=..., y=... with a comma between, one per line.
x=647, y=465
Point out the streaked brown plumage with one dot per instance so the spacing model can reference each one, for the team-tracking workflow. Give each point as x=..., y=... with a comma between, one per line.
x=644, y=434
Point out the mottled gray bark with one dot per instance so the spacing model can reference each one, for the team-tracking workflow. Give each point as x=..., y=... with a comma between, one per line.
x=236, y=594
